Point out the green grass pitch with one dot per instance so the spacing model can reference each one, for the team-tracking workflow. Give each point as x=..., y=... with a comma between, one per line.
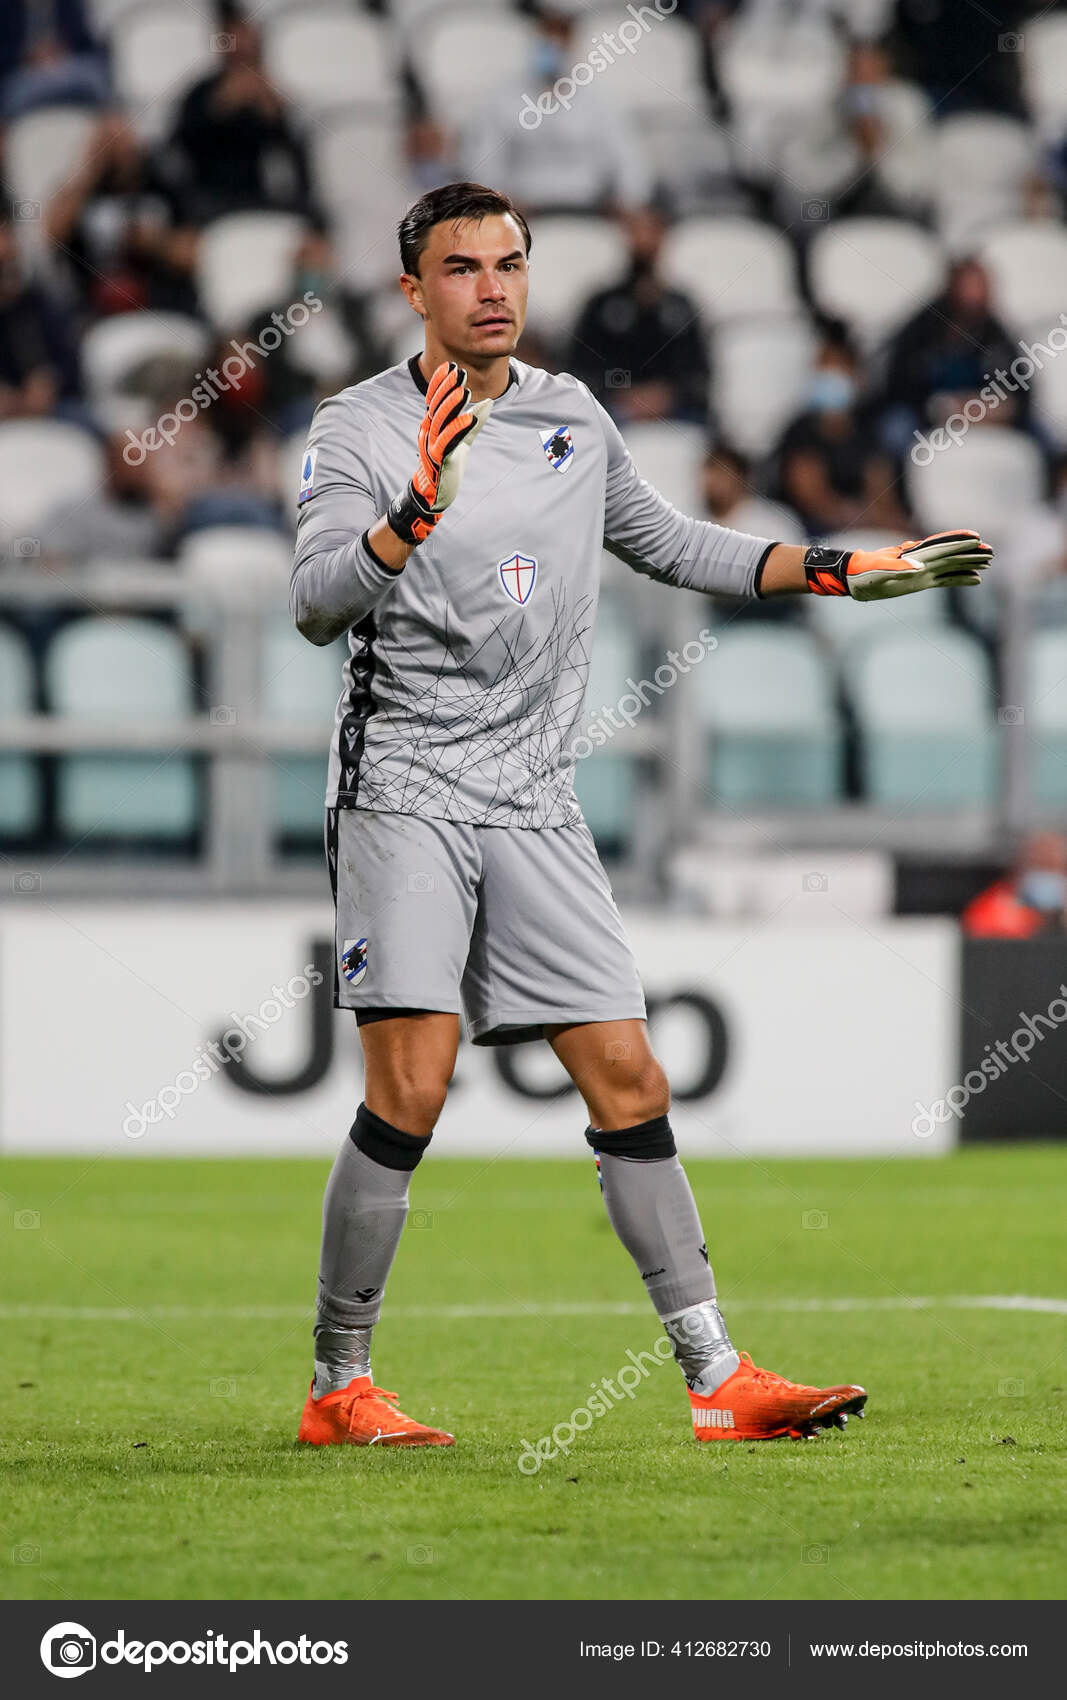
x=156, y=1355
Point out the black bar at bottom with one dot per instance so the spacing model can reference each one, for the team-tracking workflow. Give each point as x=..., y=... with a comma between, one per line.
x=237, y=1647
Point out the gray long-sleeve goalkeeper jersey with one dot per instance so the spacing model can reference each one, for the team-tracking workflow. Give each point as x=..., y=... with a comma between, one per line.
x=467, y=671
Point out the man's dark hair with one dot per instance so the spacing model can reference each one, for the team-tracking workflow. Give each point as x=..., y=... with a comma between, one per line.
x=451, y=202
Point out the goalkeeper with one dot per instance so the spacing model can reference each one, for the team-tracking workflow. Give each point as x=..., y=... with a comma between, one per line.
x=452, y=512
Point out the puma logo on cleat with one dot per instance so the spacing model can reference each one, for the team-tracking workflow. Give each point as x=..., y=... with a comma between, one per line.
x=713, y=1418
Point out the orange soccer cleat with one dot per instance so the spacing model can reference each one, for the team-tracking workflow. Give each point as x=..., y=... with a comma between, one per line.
x=756, y=1404
x=363, y=1415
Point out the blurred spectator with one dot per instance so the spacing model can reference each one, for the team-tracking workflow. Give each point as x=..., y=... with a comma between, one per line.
x=639, y=344
x=942, y=357
x=731, y=500
x=38, y=356
x=429, y=153
x=971, y=66
x=1032, y=899
x=128, y=519
x=48, y=57
x=831, y=466
x=556, y=149
x=233, y=148
x=116, y=222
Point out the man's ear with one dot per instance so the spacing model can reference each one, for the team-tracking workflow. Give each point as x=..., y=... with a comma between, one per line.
x=412, y=287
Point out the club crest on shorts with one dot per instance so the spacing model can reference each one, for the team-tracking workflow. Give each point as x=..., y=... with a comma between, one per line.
x=517, y=575
x=558, y=447
x=307, y=477
x=354, y=960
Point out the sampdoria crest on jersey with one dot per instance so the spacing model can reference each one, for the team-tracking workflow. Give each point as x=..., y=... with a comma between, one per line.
x=354, y=960
x=517, y=575
x=558, y=447
x=307, y=478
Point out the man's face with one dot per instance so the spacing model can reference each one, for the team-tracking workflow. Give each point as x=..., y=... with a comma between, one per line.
x=472, y=286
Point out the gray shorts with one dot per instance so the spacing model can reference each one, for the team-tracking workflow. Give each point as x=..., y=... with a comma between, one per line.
x=514, y=928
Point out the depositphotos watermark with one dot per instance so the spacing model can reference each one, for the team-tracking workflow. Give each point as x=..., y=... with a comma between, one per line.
x=1005, y=381
x=69, y=1650
x=212, y=1057
x=603, y=727
x=603, y=52
x=1007, y=1051
x=217, y=379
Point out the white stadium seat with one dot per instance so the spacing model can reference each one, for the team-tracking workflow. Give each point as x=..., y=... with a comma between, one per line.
x=247, y=563
x=465, y=50
x=1049, y=384
x=982, y=163
x=159, y=52
x=874, y=273
x=44, y=149
x=924, y=706
x=358, y=163
x=732, y=267
x=670, y=456
x=113, y=347
x=775, y=72
x=325, y=57
x=570, y=259
x=985, y=482
x=126, y=670
x=105, y=15
x=1027, y=264
x=245, y=263
x=1044, y=71
x=45, y=466
x=662, y=72
x=904, y=164
x=761, y=366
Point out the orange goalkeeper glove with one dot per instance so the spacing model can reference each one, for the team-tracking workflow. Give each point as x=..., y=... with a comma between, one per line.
x=449, y=427
x=869, y=575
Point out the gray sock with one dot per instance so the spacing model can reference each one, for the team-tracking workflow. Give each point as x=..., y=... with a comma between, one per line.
x=651, y=1207
x=363, y=1216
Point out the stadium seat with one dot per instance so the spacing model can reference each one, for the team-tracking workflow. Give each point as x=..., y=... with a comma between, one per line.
x=245, y=263
x=732, y=267
x=358, y=163
x=323, y=58
x=605, y=781
x=1046, y=714
x=903, y=166
x=670, y=456
x=984, y=482
x=46, y=466
x=466, y=49
x=236, y=562
x=1027, y=264
x=775, y=71
x=874, y=273
x=924, y=706
x=761, y=367
x=983, y=160
x=571, y=258
x=766, y=701
x=113, y=347
x=845, y=625
x=301, y=685
x=130, y=671
x=663, y=73
x=157, y=55
x=20, y=783
x=105, y=15
x=1044, y=73
x=43, y=148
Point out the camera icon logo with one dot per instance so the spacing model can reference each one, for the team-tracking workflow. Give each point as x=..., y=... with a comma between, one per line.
x=68, y=1649
x=815, y=882
x=420, y=883
x=616, y=379
x=819, y=210
x=1011, y=42
x=26, y=884
x=1011, y=715
x=815, y=1219
x=816, y=1554
x=223, y=715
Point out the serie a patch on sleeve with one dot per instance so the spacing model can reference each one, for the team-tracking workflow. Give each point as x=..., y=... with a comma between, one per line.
x=307, y=478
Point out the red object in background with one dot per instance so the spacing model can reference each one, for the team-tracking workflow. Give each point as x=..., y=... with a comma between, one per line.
x=999, y=913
